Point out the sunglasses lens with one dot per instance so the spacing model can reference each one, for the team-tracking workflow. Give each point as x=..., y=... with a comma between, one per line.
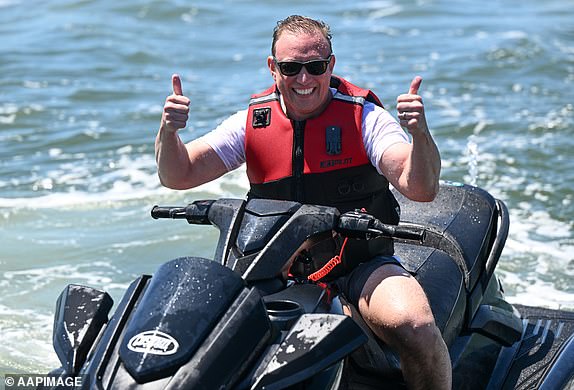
x=290, y=68
x=316, y=68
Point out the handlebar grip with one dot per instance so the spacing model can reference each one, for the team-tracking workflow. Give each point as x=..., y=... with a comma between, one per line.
x=357, y=224
x=409, y=233
x=197, y=212
x=167, y=212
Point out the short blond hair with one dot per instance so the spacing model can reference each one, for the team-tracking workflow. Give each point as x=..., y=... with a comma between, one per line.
x=298, y=24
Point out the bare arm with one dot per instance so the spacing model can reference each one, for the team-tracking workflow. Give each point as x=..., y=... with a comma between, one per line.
x=182, y=166
x=413, y=169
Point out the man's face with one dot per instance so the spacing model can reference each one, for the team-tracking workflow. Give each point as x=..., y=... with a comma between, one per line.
x=304, y=95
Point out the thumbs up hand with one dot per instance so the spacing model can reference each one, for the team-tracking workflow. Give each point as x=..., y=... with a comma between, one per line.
x=176, y=108
x=176, y=85
x=411, y=109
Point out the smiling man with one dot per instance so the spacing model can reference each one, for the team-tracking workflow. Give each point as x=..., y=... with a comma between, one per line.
x=307, y=93
x=315, y=138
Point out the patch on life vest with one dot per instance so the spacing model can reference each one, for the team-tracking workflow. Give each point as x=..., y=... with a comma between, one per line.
x=333, y=140
x=332, y=163
x=261, y=117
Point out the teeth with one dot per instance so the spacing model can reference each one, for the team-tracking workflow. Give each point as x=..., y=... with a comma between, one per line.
x=304, y=91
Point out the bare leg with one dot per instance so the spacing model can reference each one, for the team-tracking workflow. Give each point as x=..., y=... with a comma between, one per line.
x=395, y=307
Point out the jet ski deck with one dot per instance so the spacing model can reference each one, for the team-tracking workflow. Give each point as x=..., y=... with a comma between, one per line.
x=266, y=331
x=544, y=354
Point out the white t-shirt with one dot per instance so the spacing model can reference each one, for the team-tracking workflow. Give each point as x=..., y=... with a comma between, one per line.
x=380, y=130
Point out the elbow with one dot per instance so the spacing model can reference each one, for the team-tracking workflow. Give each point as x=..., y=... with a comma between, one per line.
x=432, y=193
x=177, y=187
x=165, y=182
x=423, y=198
x=428, y=194
x=427, y=198
x=172, y=185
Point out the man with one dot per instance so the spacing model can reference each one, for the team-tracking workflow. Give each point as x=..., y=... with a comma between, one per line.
x=335, y=130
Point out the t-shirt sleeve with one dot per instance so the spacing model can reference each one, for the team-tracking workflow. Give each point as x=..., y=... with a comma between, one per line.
x=228, y=140
x=380, y=131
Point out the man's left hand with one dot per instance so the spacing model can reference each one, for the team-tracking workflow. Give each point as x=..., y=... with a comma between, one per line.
x=412, y=110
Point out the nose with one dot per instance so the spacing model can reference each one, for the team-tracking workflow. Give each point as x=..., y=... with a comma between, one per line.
x=303, y=76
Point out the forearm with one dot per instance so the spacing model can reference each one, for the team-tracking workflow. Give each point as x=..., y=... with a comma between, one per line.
x=422, y=170
x=174, y=165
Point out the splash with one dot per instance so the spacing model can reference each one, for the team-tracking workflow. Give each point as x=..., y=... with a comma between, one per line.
x=472, y=153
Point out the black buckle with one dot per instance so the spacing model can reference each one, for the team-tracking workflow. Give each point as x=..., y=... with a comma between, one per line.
x=333, y=140
x=261, y=117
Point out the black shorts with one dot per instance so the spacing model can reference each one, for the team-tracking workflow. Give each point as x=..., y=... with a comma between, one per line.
x=351, y=285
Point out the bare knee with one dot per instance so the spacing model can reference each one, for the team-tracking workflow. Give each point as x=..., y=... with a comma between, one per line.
x=396, y=308
x=408, y=331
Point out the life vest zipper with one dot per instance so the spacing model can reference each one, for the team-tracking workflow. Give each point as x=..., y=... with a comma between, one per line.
x=298, y=159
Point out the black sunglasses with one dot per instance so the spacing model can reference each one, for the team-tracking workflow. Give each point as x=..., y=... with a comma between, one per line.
x=314, y=67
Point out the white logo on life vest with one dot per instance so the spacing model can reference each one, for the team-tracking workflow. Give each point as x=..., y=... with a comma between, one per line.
x=154, y=342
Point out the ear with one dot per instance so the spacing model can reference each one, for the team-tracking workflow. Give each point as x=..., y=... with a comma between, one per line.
x=272, y=67
x=332, y=64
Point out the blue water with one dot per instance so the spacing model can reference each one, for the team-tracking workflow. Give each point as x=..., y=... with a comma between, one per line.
x=82, y=84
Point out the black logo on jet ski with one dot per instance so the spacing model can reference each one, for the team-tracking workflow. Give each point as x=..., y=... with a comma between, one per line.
x=154, y=342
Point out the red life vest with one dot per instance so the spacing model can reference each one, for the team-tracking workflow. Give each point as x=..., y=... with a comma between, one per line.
x=321, y=160
x=341, y=121
x=318, y=161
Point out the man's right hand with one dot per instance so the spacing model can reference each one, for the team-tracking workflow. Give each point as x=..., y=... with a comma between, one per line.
x=176, y=108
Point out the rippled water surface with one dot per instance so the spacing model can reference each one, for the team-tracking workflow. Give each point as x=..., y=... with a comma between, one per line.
x=82, y=84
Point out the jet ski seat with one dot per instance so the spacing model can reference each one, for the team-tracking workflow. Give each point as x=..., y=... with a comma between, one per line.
x=453, y=264
x=455, y=261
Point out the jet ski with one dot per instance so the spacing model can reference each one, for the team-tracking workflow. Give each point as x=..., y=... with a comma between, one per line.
x=242, y=320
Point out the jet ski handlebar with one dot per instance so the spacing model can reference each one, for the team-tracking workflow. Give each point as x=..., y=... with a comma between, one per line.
x=353, y=224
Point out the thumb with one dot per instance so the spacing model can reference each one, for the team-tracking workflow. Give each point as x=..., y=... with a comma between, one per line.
x=176, y=83
x=415, y=85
